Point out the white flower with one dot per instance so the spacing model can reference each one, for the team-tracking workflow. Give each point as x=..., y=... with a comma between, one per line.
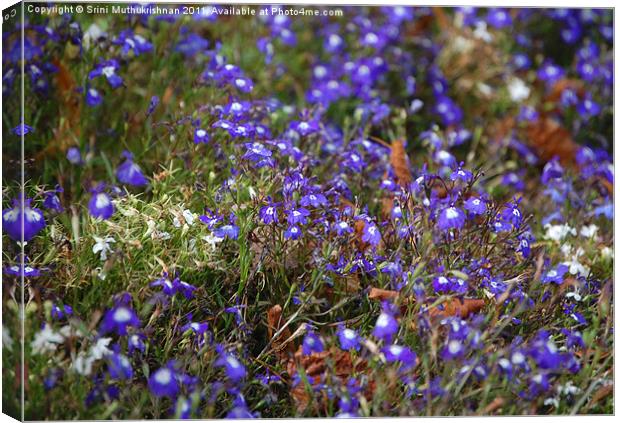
x=46, y=340
x=559, y=232
x=102, y=246
x=589, y=231
x=552, y=401
x=518, y=90
x=83, y=364
x=607, y=252
x=7, y=341
x=100, y=348
x=252, y=192
x=481, y=32
x=212, y=240
x=189, y=217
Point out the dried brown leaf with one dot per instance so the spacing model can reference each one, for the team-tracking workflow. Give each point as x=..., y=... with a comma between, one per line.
x=549, y=139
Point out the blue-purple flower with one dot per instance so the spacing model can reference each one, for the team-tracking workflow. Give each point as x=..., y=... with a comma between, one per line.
x=130, y=173
x=31, y=217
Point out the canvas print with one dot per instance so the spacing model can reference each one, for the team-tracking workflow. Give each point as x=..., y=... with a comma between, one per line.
x=277, y=211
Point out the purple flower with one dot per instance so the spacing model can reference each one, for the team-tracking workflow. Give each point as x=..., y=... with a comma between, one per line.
x=201, y=136
x=61, y=311
x=240, y=410
x=342, y=227
x=499, y=18
x=107, y=68
x=453, y=349
x=152, y=105
x=297, y=216
x=93, y=98
x=256, y=151
x=305, y=128
x=451, y=218
x=243, y=84
x=386, y=326
x=163, y=382
x=555, y=275
x=371, y=234
x=131, y=41
x=314, y=200
x=399, y=353
x=191, y=45
x=31, y=217
x=119, y=366
x=235, y=371
x=227, y=231
x=550, y=73
x=118, y=319
x=269, y=214
x=462, y=174
x=130, y=173
x=475, y=205
x=22, y=129
x=136, y=343
x=349, y=339
x=52, y=202
x=74, y=156
x=100, y=206
x=312, y=343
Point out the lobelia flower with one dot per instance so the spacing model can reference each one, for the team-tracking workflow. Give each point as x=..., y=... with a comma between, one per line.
x=462, y=174
x=102, y=246
x=269, y=213
x=555, y=275
x=164, y=382
x=31, y=218
x=399, y=353
x=292, y=232
x=349, y=339
x=475, y=205
x=305, y=127
x=18, y=270
x=61, y=311
x=130, y=173
x=136, y=343
x=22, y=129
x=371, y=234
x=342, y=228
x=314, y=200
x=93, y=98
x=107, y=68
x=201, y=136
x=499, y=18
x=119, y=366
x=240, y=410
x=46, y=340
x=550, y=73
x=118, y=319
x=131, y=41
x=297, y=216
x=74, y=156
x=100, y=205
x=235, y=371
x=386, y=325
x=453, y=349
x=52, y=202
x=451, y=218
x=312, y=343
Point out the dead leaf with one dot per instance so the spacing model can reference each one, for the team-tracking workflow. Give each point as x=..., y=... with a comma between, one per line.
x=452, y=307
x=549, y=139
x=600, y=394
x=400, y=163
x=494, y=405
x=274, y=323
